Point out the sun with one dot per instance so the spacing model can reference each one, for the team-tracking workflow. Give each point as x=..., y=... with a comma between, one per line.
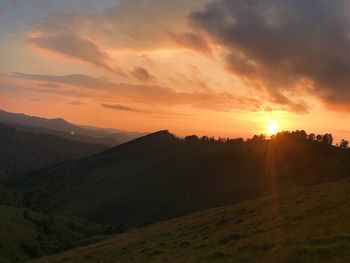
x=272, y=128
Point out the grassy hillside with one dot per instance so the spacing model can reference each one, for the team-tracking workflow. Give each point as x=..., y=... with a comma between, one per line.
x=26, y=234
x=159, y=177
x=306, y=226
x=21, y=152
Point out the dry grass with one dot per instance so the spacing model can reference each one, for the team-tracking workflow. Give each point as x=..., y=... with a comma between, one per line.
x=309, y=225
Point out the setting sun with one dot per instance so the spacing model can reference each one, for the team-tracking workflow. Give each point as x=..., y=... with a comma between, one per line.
x=272, y=128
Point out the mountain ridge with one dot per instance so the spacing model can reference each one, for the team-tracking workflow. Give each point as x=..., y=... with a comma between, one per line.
x=21, y=152
x=61, y=127
x=142, y=181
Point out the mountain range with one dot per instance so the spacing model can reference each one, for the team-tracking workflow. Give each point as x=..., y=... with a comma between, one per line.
x=22, y=152
x=63, y=128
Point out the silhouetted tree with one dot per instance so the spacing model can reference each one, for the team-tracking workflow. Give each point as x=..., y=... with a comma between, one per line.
x=330, y=139
x=311, y=137
x=212, y=140
x=257, y=138
x=222, y=140
x=301, y=134
x=191, y=138
x=319, y=137
x=235, y=141
x=327, y=139
x=204, y=139
x=343, y=144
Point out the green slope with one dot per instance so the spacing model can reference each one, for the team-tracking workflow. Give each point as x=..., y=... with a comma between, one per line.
x=308, y=225
x=159, y=177
x=26, y=234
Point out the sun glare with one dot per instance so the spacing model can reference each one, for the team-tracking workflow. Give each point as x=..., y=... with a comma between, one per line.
x=272, y=128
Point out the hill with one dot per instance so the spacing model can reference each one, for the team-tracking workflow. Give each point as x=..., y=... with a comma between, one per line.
x=310, y=225
x=63, y=128
x=21, y=152
x=106, y=141
x=159, y=176
x=26, y=234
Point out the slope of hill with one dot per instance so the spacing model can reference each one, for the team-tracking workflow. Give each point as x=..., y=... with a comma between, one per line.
x=305, y=226
x=158, y=177
x=107, y=141
x=61, y=127
x=26, y=234
x=21, y=152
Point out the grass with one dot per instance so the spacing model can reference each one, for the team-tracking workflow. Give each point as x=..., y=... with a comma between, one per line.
x=309, y=225
x=26, y=234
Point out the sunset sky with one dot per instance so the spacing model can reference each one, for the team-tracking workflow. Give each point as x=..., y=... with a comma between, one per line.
x=223, y=68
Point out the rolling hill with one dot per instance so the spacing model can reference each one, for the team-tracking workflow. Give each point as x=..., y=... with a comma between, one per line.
x=309, y=225
x=103, y=140
x=159, y=176
x=26, y=234
x=21, y=152
x=63, y=128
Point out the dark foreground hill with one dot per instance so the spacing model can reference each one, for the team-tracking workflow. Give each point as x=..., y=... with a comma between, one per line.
x=65, y=129
x=305, y=226
x=159, y=176
x=21, y=152
x=26, y=234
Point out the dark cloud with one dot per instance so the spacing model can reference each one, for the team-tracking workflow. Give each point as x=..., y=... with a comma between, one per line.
x=284, y=46
x=156, y=113
x=118, y=107
x=74, y=46
x=49, y=85
x=75, y=103
x=192, y=41
x=142, y=74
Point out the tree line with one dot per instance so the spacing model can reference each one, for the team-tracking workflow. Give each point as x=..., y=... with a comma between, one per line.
x=326, y=138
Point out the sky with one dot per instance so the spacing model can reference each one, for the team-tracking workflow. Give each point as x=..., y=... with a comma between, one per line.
x=220, y=68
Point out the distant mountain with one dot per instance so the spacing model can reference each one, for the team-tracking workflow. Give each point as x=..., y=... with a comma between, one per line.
x=61, y=127
x=107, y=141
x=21, y=152
x=159, y=176
x=308, y=225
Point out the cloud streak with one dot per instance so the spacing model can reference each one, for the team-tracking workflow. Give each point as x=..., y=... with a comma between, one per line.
x=74, y=46
x=145, y=94
x=142, y=74
x=118, y=107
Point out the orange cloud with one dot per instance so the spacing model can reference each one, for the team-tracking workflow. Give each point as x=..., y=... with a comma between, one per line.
x=192, y=41
x=142, y=74
x=130, y=24
x=74, y=46
x=83, y=85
